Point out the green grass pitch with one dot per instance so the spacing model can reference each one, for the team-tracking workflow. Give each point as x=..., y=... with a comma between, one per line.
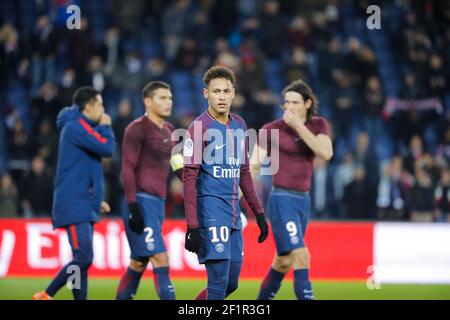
x=104, y=289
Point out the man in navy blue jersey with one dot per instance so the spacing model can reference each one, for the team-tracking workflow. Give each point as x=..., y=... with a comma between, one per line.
x=216, y=164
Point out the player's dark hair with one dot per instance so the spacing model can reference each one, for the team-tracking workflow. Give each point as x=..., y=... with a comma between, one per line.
x=83, y=96
x=306, y=92
x=152, y=86
x=217, y=72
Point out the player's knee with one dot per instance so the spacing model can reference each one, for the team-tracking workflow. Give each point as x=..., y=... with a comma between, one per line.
x=84, y=262
x=301, y=258
x=282, y=264
x=160, y=260
x=83, y=259
x=218, y=282
x=139, y=265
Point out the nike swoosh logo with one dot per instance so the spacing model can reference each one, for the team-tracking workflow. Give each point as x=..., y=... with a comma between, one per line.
x=220, y=147
x=189, y=237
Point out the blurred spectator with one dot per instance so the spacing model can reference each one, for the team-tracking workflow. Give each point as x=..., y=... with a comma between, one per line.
x=392, y=190
x=366, y=159
x=187, y=56
x=80, y=45
x=19, y=146
x=175, y=22
x=127, y=14
x=36, y=190
x=443, y=151
x=224, y=17
x=46, y=104
x=251, y=75
x=130, y=74
x=411, y=90
x=225, y=56
x=273, y=30
x=442, y=197
x=343, y=176
x=67, y=88
x=322, y=190
x=420, y=199
x=437, y=81
x=202, y=33
x=111, y=173
x=299, y=34
x=373, y=105
x=124, y=118
x=344, y=105
x=357, y=197
x=415, y=152
x=111, y=50
x=330, y=61
x=297, y=66
x=94, y=74
x=156, y=69
x=321, y=34
x=8, y=197
x=45, y=143
x=9, y=53
x=44, y=48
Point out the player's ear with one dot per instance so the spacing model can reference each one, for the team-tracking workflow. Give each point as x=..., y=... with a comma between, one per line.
x=205, y=93
x=308, y=104
x=147, y=101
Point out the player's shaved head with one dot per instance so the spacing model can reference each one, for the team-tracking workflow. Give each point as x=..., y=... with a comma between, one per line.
x=152, y=86
x=218, y=72
x=306, y=92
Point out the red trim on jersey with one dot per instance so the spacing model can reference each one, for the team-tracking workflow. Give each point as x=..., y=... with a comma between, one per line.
x=234, y=179
x=91, y=131
x=73, y=232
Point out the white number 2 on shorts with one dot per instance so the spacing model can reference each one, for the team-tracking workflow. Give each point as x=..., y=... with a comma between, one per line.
x=291, y=227
x=149, y=236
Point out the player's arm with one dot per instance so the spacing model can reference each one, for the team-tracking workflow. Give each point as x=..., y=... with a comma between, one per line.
x=191, y=171
x=320, y=144
x=131, y=151
x=99, y=141
x=248, y=189
x=258, y=155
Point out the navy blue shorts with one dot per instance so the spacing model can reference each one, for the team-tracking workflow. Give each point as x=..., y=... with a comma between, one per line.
x=151, y=241
x=221, y=243
x=289, y=212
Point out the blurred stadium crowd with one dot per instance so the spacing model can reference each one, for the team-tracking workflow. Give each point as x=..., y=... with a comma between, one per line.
x=385, y=92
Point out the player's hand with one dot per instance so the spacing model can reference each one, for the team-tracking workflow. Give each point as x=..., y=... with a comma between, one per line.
x=292, y=118
x=193, y=240
x=104, y=207
x=263, y=227
x=105, y=119
x=135, y=218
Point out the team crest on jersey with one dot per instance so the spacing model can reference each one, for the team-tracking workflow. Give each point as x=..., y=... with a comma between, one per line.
x=294, y=240
x=188, y=149
x=220, y=248
x=150, y=246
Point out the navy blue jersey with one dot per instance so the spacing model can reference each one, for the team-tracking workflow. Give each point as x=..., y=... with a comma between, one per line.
x=218, y=155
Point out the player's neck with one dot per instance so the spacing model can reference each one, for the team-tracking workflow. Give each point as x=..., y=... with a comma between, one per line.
x=303, y=119
x=220, y=117
x=155, y=119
